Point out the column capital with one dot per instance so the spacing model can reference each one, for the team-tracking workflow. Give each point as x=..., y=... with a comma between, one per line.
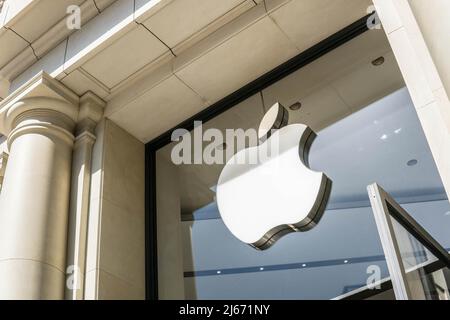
x=42, y=93
x=91, y=112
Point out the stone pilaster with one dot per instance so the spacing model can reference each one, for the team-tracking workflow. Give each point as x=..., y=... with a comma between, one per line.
x=91, y=111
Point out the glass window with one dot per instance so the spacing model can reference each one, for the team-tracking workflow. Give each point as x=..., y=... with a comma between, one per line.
x=367, y=131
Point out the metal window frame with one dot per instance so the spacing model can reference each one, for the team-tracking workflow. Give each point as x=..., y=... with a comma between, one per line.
x=384, y=207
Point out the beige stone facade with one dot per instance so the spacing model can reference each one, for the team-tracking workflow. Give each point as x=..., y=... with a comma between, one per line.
x=77, y=107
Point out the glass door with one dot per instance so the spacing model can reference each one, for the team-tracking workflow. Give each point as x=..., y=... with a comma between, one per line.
x=418, y=265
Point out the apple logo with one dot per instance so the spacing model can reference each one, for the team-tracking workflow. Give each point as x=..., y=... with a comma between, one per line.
x=260, y=201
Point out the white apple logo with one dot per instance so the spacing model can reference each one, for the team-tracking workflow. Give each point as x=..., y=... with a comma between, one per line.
x=261, y=201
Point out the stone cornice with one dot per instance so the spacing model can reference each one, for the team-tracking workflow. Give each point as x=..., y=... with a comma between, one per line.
x=45, y=43
x=59, y=31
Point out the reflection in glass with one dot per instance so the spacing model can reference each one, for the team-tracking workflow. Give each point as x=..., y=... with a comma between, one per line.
x=365, y=133
x=426, y=277
x=333, y=258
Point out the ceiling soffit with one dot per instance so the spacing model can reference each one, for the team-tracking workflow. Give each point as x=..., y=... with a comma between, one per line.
x=234, y=55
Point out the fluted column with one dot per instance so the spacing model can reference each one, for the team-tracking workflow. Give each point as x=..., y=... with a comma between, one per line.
x=34, y=202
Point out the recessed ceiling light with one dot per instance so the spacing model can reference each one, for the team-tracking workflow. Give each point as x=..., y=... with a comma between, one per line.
x=378, y=61
x=345, y=261
x=296, y=106
x=261, y=269
x=384, y=137
x=304, y=265
x=412, y=162
x=219, y=272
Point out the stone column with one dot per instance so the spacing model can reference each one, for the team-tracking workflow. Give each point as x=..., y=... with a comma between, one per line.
x=39, y=120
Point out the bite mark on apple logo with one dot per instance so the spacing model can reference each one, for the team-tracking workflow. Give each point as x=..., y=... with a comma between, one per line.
x=262, y=201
